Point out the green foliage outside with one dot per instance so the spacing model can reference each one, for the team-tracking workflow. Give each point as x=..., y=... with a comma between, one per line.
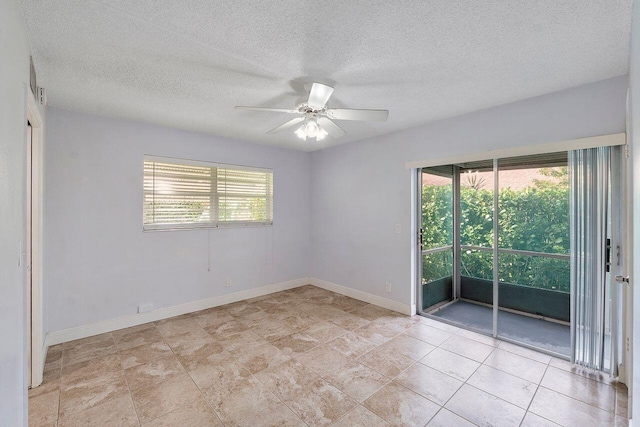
x=535, y=219
x=192, y=212
x=243, y=210
x=165, y=211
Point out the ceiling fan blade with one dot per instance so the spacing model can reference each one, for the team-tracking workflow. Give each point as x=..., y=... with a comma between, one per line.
x=273, y=110
x=319, y=95
x=363, y=115
x=333, y=129
x=287, y=125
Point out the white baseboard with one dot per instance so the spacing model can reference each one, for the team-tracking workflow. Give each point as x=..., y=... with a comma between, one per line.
x=71, y=334
x=364, y=296
x=85, y=331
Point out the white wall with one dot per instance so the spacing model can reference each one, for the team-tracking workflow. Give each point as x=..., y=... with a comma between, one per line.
x=361, y=190
x=633, y=126
x=99, y=263
x=14, y=80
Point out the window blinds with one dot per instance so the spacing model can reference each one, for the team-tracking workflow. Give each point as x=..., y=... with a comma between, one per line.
x=181, y=194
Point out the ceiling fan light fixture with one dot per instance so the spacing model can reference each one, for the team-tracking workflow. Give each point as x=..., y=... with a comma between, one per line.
x=321, y=134
x=301, y=133
x=311, y=128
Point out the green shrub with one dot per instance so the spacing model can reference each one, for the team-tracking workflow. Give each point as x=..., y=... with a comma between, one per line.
x=532, y=219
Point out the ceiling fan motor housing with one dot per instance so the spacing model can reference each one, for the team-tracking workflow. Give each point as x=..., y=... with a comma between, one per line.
x=305, y=108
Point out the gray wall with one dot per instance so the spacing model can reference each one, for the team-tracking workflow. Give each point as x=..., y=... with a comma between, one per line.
x=633, y=127
x=14, y=80
x=99, y=263
x=361, y=190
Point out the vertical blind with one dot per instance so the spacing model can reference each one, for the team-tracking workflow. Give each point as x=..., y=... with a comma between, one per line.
x=593, y=173
x=182, y=194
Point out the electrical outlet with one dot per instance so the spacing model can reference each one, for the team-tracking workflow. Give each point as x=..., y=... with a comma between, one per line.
x=229, y=284
x=387, y=286
x=398, y=228
x=143, y=308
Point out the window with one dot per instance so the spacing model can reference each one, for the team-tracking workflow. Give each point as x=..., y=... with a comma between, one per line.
x=185, y=194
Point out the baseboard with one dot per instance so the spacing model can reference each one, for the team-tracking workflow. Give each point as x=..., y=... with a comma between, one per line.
x=363, y=296
x=622, y=374
x=414, y=309
x=71, y=334
x=85, y=331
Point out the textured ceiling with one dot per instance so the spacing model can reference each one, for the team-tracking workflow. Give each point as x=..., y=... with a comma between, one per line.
x=187, y=63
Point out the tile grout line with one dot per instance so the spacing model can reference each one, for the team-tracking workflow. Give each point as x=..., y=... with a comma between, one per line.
x=293, y=359
x=441, y=407
x=60, y=390
x=191, y=378
x=612, y=385
x=581, y=377
x=534, y=395
x=352, y=359
x=465, y=382
x=91, y=360
x=130, y=393
x=513, y=375
x=256, y=378
x=167, y=379
x=278, y=397
x=127, y=381
x=483, y=363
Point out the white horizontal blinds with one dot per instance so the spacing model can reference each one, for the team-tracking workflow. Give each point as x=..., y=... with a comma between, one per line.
x=189, y=194
x=245, y=195
x=177, y=195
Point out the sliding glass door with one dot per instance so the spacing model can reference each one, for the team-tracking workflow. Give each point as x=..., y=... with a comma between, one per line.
x=533, y=251
x=495, y=248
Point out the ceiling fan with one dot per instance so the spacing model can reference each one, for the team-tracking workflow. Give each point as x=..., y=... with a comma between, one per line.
x=316, y=118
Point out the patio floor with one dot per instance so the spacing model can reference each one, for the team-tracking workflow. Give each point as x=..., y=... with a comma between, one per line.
x=527, y=330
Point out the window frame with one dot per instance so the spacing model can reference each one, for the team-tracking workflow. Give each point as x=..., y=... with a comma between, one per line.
x=214, y=197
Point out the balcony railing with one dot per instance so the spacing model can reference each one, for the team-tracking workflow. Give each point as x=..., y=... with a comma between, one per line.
x=548, y=298
x=536, y=301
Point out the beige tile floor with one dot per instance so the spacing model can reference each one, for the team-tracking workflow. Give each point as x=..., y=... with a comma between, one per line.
x=312, y=357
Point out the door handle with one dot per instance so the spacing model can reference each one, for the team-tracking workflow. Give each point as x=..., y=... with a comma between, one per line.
x=622, y=279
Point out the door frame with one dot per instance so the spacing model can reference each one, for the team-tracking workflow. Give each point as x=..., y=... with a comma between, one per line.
x=416, y=249
x=34, y=117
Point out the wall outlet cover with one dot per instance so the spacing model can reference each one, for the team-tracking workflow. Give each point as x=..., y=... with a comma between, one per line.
x=144, y=308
